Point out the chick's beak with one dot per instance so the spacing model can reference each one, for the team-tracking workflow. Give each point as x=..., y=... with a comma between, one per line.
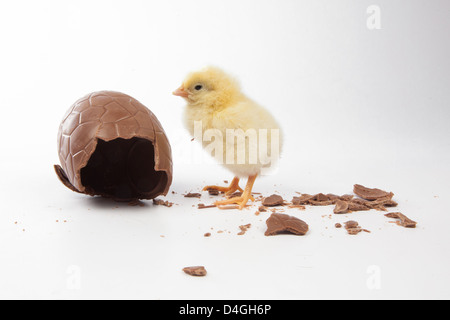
x=181, y=92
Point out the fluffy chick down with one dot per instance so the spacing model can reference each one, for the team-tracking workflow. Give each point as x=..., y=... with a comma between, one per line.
x=215, y=99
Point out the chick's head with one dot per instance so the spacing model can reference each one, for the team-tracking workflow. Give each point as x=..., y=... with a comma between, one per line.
x=209, y=88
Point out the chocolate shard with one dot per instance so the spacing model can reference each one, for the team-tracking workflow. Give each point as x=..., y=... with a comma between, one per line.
x=282, y=223
x=111, y=145
x=302, y=200
x=351, y=224
x=193, y=195
x=196, y=271
x=321, y=197
x=404, y=220
x=352, y=227
x=371, y=193
x=341, y=207
x=273, y=200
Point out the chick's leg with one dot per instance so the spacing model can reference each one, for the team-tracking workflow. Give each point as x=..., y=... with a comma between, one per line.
x=234, y=186
x=242, y=200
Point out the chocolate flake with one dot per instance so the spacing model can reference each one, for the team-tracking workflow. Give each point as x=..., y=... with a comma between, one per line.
x=213, y=192
x=262, y=209
x=281, y=223
x=193, y=195
x=161, y=202
x=404, y=220
x=353, y=227
x=272, y=201
x=341, y=207
x=244, y=228
x=371, y=194
x=196, y=271
x=203, y=206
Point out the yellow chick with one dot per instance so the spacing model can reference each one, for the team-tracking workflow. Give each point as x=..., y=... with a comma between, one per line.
x=250, y=136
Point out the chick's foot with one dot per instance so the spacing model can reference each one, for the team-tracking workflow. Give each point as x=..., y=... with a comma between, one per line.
x=242, y=200
x=233, y=187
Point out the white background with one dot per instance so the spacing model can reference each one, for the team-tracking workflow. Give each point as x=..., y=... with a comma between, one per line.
x=356, y=106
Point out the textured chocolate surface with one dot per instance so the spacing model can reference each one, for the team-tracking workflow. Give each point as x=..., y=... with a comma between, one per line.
x=371, y=193
x=283, y=223
x=196, y=271
x=404, y=220
x=126, y=131
x=273, y=200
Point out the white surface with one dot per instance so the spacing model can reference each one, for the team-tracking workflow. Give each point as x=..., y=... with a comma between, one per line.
x=356, y=105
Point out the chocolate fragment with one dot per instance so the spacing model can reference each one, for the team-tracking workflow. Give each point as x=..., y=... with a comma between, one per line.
x=371, y=194
x=282, y=223
x=302, y=200
x=193, y=195
x=203, y=206
x=358, y=205
x=235, y=194
x=346, y=197
x=404, y=220
x=207, y=234
x=262, y=209
x=111, y=145
x=352, y=227
x=351, y=224
x=354, y=231
x=384, y=202
x=338, y=225
x=273, y=200
x=213, y=192
x=319, y=199
x=196, y=271
x=244, y=228
x=161, y=202
x=341, y=207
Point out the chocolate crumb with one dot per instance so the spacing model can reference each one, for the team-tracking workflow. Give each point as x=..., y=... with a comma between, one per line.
x=338, y=225
x=193, y=195
x=208, y=234
x=352, y=227
x=203, y=206
x=282, y=223
x=273, y=200
x=196, y=271
x=262, y=209
x=235, y=194
x=351, y=224
x=213, y=192
x=162, y=202
x=298, y=206
x=244, y=228
x=404, y=220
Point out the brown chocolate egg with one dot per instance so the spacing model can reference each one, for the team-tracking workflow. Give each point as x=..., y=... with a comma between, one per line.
x=111, y=145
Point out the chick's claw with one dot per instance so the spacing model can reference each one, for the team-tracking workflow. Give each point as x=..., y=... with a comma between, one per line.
x=241, y=201
x=234, y=186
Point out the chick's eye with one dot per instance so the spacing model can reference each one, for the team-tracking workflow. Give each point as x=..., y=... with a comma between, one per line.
x=198, y=87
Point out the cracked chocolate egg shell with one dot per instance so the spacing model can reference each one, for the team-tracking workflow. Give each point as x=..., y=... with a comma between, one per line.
x=111, y=145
